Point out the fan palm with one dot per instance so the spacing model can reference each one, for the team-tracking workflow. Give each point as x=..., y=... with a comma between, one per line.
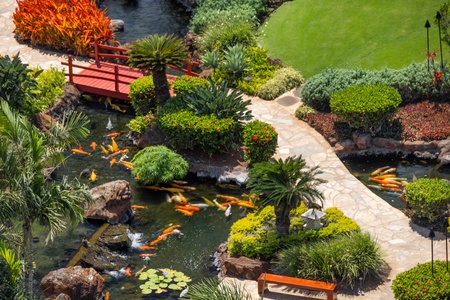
x=285, y=184
x=25, y=195
x=155, y=53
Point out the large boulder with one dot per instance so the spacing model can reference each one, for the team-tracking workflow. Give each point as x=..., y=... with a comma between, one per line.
x=67, y=103
x=116, y=238
x=74, y=283
x=111, y=202
x=102, y=259
x=151, y=137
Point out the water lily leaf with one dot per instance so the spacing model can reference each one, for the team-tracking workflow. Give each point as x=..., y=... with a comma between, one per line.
x=163, y=285
x=178, y=279
x=151, y=271
x=159, y=291
x=143, y=276
x=179, y=274
x=153, y=286
x=146, y=292
x=143, y=286
x=174, y=287
x=168, y=280
x=160, y=277
x=182, y=284
x=187, y=278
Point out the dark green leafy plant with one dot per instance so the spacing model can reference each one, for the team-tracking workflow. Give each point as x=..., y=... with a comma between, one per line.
x=366, y=107
x=140, y=123
x=18, y=84
x=158, y=164
x=421, y=282
x=343, y=259
x=220, y=101
x=143, y=95
x=260, y=141
x=212, y=288
x=428, y=198
x=187, y=84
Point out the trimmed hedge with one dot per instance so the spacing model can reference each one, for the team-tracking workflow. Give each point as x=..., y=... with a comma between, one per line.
x=187, y=84
x=428, y=198
x=143, y=95
x=284, y=80
x=365, y=106
x=260, y=140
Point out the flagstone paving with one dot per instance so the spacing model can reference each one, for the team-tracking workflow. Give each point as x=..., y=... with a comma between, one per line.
x=404, y=244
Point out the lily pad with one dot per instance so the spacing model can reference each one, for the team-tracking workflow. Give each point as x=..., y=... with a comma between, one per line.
x=143, y=276
x=182, y=284
x=146, y=292
x=174, y=287
x=163, y=285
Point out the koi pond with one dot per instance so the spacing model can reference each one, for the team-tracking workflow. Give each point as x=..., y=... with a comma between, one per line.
x=189, y=252
x=406, y=167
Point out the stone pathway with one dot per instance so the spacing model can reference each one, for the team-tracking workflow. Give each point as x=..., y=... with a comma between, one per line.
x=404, y=244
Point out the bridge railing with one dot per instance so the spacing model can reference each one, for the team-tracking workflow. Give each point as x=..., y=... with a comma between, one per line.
x=98, y=55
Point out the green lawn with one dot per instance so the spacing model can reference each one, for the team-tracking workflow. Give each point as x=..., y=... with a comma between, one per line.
x=373, y=34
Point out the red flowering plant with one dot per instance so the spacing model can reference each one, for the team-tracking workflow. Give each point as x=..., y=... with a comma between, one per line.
x=437, y=75
x=260, y=141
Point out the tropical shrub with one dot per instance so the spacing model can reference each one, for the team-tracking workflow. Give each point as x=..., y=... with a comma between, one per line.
x=260, y=141
x=18, y=84
x=140, y=123
x=11, y=272
x=208, y=133
x=343, y=259
x=212, y=288
x=49, y=88
x=421, y=282
x=414, y=83
x=187, y=84
x=223, y=34
x=303, y=111
x=217, y=99
x=158, y=164
x=428, y=198
x=143, y=95
x=284, y=80
x=255, y=236
x=68, y=25
x=365, y=106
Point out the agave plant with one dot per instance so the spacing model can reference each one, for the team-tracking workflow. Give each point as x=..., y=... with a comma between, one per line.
x=234, y=61
x=210, y=59
x=162, y=280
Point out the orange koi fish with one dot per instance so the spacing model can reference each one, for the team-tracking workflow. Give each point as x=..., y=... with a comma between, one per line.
x=106, y=295
x=112, y=134
x=93, y=145
x=115, y=153
x=138, y=207
x=112, y=162
x=114, y=145
x=170, y=229
x=151, y=187
x=217, y=204
x=379, y=170
x=158, y=239
x=389, y=171
x=128, y=272
x=184, y=187
x=79, y=151
x=185, y=212
x=145, y=247
x=147, y=254
x=110, y=148
x=104, y=149
x=188, y=208
x=126, y=164
x=229, y=198
x=173, y=190
x=385, y=176
x=180, y=182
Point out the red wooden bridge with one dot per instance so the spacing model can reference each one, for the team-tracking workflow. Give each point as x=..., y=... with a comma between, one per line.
x=110, y=79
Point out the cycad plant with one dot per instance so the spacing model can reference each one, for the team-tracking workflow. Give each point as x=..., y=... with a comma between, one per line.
x=285, y=184
x=154, y=53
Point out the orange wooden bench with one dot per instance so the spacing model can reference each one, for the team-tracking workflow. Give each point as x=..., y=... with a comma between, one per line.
x=329, y=288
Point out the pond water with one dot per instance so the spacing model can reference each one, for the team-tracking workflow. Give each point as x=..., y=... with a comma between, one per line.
x=406, y=167
x=189, y=253
x=146, y=17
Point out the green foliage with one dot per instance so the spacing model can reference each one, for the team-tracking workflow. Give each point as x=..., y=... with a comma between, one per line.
x=158, y=164
x=18, y=84
x=260, y=140
x=255, y=236
x=162, y=280
x=234, y=63
x=366, y=106
x=143, y=95
x=421, y=283
x=343, y=260
x=223, y=34
x=212, y=288
x=210, y=59
x=445, y=21
x=303, y=110
x=220, y=101
x=208, y=133
x=140, y=123
x=13, y=263
x=414, y=83
x=284, y=80
x=225, y=11
x=428, y=198
x=49, y=88
x=187, y=84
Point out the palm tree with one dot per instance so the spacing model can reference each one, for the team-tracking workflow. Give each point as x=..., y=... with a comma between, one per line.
x=155, y=53
x=285, y=184
x=25, y=194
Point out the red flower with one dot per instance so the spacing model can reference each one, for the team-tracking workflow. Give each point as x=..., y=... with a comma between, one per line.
x=431, y=56
x=437, y=76
x=255, y=138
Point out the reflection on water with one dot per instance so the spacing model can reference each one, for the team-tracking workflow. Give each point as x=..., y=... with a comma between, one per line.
x=146, y=17
x=188, y=253
x=407, y=167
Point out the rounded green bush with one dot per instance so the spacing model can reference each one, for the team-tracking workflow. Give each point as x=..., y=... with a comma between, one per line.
x=143, y=95
x=303, y=110
x=284, y=80
x=365, y=107
x=255, y=236
x=187, y=84
x=421, y=282
x=158, y=164
x=260, y=140
x=428, y=198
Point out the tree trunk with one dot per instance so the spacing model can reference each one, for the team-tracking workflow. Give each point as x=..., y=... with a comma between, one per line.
x=282, y=223
x=161, y=85
x=28, y=247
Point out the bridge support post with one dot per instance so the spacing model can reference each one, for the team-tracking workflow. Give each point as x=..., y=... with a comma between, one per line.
x=116, y=78
x=70, y=69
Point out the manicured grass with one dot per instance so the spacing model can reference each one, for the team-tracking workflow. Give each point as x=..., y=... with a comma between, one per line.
x=372, y=34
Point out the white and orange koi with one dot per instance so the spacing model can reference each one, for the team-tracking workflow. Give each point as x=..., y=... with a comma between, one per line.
x=379, y=170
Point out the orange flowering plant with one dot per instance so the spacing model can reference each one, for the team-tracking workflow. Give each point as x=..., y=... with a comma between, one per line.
x=260, y=141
